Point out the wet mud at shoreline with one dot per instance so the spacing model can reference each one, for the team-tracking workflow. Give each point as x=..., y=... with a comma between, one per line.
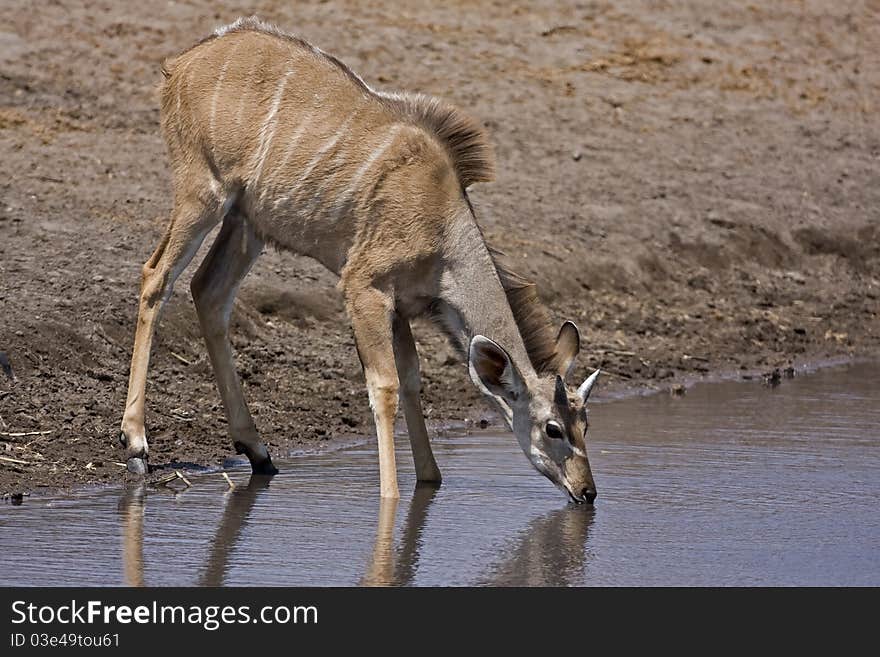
x=695, y=186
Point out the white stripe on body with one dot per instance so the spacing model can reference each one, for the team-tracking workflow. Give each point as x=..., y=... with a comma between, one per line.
x=181, y=75
x=267, y=130
x=216, y=95
x=315, y=161
x=241, y=99
x=343, y=203
x=291, y=147
x=375, y=155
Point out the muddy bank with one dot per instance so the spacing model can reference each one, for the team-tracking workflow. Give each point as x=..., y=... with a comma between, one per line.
x=695, y=186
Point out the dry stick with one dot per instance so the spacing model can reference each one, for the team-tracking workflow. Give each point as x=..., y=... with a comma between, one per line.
x=615, y=351
x=167, y=479
x=181, y=358
x=228, y=480
x=9, y=460
x=20, y=434
x=179, y=475
x=617, y=374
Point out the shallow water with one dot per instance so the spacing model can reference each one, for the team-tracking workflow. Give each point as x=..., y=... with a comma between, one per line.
x=732, y=484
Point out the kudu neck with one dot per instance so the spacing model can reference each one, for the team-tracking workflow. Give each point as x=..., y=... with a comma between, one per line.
x=470, y=286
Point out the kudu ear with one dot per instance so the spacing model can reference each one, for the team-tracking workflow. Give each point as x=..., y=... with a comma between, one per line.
x=568, y=344
x=587, y=386
x=492, y=370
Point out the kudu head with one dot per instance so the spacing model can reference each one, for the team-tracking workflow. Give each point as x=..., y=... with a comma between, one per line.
x=548, y=418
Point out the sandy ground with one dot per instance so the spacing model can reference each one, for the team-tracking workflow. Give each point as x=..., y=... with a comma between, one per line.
x=694, y=183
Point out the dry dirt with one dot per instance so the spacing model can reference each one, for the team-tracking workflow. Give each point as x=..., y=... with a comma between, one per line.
x=694, y=183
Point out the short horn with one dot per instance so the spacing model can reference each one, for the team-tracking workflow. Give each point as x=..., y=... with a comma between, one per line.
x=587, y=385
x=560, y=394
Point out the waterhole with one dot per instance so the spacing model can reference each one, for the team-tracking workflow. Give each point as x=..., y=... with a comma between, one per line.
x=732, y=484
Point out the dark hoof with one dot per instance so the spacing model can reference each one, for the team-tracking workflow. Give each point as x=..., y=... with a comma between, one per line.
x=123, y=440
x=264, y=468
x=137, y=465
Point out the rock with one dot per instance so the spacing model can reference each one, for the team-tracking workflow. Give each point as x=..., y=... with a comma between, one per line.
x=5, y=365
x=137, y=466
x=772, y=378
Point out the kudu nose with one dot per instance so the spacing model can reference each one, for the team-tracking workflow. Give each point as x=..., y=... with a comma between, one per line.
x=588, y=494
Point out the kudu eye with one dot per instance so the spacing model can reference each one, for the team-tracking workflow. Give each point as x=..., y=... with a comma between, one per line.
x=553, y=430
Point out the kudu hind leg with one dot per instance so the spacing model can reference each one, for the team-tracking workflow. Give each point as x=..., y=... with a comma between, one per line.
x=407, y=359
x=371, y=313
x=191, y=221
x=214, y=288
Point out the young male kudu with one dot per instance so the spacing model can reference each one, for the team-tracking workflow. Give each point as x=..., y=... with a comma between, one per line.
x=284, y=144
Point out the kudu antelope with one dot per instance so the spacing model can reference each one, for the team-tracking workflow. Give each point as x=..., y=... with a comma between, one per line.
x=284, y=144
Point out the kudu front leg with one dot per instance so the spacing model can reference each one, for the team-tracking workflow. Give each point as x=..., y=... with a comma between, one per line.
x=190, y=223
x=408, y=372
x=371, y=312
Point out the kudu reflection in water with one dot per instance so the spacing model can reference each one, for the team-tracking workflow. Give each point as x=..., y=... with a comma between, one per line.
x=551, y=551
x=387, y=568
x=238, y=509
x=239, y=503
x=131, y=509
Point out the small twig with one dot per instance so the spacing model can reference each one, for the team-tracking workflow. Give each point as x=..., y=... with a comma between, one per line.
x=228, y=480
x=121, y=465
x=100, y=333
x=10, y=460
x=21, y=434
x=167, y=479
x=179, y=475
x=617, y=374
x=181, y=358
x=619, y=352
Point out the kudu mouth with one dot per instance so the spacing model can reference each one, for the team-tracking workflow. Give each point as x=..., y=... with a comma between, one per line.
x=587, y=496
